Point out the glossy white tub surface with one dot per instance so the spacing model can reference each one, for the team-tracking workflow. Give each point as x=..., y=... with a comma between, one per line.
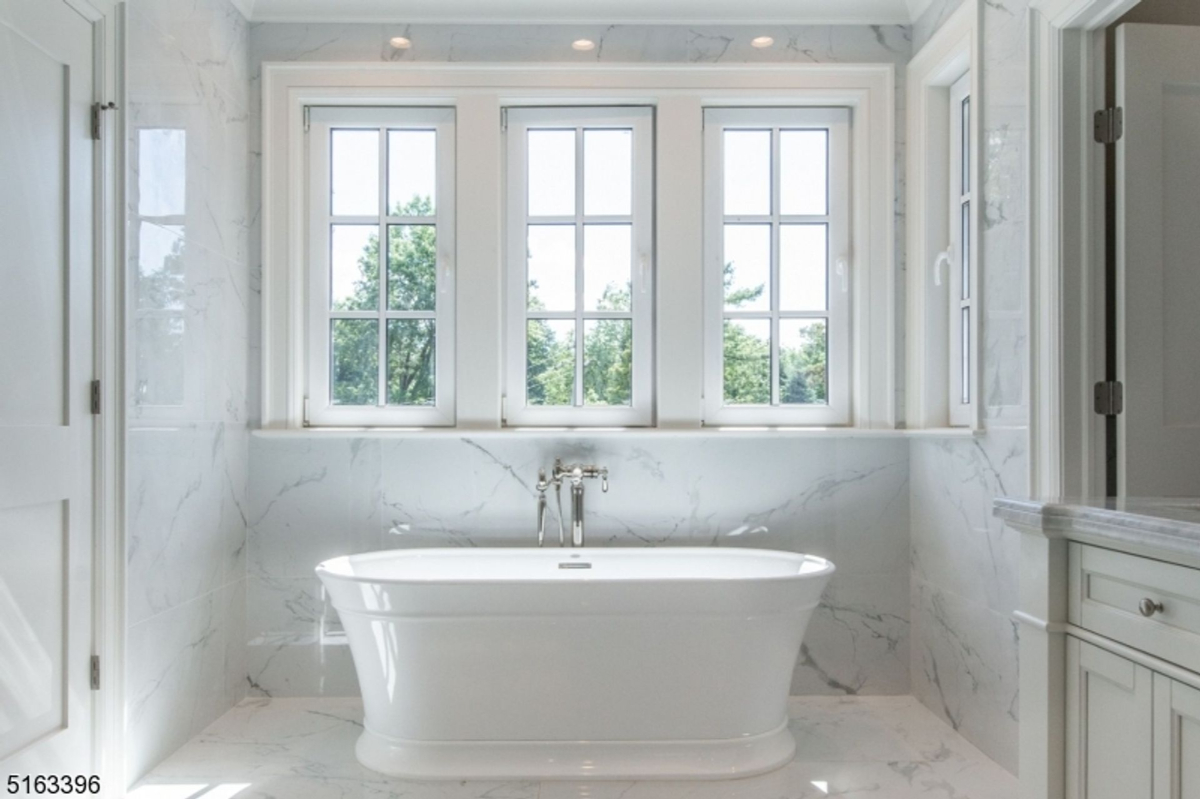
x=650, y=663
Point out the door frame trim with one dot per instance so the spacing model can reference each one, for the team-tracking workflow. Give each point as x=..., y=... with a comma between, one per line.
x=108, y=336
x=1066, y=244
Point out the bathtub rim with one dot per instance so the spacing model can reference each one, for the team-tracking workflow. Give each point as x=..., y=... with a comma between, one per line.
x=327, y=568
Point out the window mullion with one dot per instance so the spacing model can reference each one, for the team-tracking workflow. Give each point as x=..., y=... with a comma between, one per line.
x=383, y=265
x=579, y=327
x=775, y=196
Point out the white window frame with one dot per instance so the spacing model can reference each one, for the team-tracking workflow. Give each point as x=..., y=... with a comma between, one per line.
x=962, y=253
x=837, y=410
x=478, y=93
x=520, y=121
x=934, y=330
x=321, y=121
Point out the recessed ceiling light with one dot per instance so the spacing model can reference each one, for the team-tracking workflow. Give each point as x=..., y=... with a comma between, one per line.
x=401, y=42
x=762, y=41
x=583, y=45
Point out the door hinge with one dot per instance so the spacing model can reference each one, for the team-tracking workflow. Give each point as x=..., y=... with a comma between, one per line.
x=307, y=118
x=1108, y=125
x=95, y=397
x=503, y=409
x=95, y=673
x=1110, y=397
x=504, y=120
x=304, y=420
x=97, y=110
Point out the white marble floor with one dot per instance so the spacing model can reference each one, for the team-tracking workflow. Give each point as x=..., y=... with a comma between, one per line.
x=878, y=747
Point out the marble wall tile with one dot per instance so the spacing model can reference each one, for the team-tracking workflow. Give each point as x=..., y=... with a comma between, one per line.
x=964, y=669
x=176, y=678
x=187, y=402
x=316, y=497
x=965, y=565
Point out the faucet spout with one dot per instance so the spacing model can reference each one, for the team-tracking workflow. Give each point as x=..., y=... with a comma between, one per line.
x=577, y=514
x=575, y=474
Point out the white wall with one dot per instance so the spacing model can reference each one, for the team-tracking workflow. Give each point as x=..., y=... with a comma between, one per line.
x=187, y=443
x=965, y=562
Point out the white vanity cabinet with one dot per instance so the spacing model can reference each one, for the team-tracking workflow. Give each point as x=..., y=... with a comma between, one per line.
x=1110, y=650
x=1176, y=739
x=1132, y=731
x=1110, y=725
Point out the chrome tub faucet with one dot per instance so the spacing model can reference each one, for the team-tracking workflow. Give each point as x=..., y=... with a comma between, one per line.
x=575, y=474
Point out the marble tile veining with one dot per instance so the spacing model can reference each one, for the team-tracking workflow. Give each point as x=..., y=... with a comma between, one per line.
x=315, y=498
x=881, y=747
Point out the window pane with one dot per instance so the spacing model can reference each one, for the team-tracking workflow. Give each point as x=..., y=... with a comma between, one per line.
x=608, y=362
x=354, y=173
x=803, y=371
x=608, y=172
x=162, y=172
x=803, y=267
x=551, y=275
x=354, y=378
x=965, y=261
x=803, y=172
x=966, y=145
x=354, y=267
x=747, y=274
x=160, y=277
x=411, y=351
x=747, y=172
x=551, y=158
x=606, y=267
x=550, y=362
x=747, y=367
x=412, y=172
x=412, y=267
x=966, y=356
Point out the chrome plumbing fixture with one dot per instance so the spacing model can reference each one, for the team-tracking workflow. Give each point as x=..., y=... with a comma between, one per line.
x=575, y=474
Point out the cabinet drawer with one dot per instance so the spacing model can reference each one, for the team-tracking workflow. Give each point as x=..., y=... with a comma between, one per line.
x=1108, y=590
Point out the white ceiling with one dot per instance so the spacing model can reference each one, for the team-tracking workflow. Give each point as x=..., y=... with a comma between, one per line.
x=607, y=12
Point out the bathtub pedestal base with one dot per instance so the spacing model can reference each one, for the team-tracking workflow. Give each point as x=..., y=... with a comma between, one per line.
x=577, y=760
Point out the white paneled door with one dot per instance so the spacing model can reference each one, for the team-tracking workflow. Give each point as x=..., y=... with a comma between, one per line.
x=46, y=363
x=1158, y=260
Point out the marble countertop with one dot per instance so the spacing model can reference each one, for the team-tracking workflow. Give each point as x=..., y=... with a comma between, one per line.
x=1151, y=525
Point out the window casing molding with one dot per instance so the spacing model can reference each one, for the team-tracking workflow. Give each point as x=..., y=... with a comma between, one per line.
x=322, y=121
x=838, y=264
x=519, y=122
x=679, y=94
x=933, y=344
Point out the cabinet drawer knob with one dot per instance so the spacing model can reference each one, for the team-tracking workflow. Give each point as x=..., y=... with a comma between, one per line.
x=1148, y=607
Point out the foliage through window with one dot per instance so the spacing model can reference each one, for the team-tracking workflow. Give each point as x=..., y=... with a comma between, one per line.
x=578, y=264
x=381, y=309
x=777, y=241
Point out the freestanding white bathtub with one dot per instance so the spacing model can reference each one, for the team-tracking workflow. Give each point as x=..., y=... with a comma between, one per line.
x=575, y=663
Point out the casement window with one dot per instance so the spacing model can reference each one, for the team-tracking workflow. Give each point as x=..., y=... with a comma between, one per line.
x=380, y=266
x=943, y=218
x=579, y=266
x=777, y=259
x=960, y=255
x=503, y=246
